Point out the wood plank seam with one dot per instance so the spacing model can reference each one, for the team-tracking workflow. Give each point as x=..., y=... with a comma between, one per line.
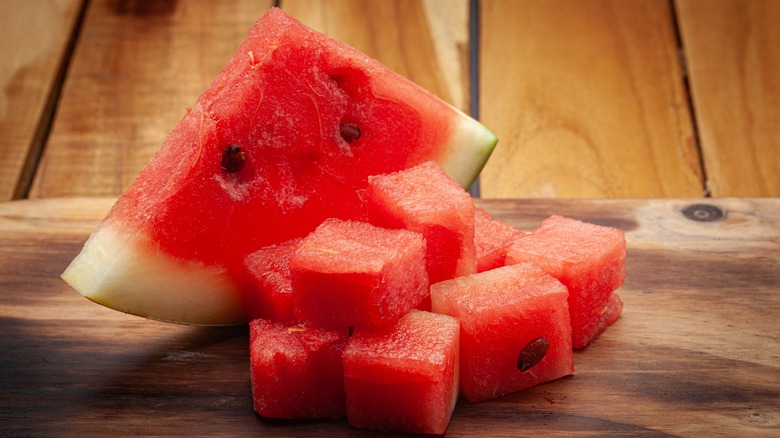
x=43, y=129
x=732, y=49
x=689, y=97
x=591, y=102
x=474, y=27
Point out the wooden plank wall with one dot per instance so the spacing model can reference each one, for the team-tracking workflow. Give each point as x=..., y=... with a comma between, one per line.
x=589, y=99
x=34, y=37
x=146, y=62
x=596, y=98
x=733, y=55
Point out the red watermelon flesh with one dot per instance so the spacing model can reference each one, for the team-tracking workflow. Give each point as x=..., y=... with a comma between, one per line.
x=492, y=237
x=284, y=137
x=424, y=199
x=268, y=287
x=589, y=259
x=504, y=314
x=403, y=379
x=296, y=370
x=610, y=313
x=354, y=274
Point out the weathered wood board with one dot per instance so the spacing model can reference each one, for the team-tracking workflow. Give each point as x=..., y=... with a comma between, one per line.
x=590, y=99
x=137, y=68
x=34, y=38
x=696, y=351
x=732, y=49
x=587, y=99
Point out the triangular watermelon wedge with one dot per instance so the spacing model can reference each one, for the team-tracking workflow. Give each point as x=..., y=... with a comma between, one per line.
x=284, y=137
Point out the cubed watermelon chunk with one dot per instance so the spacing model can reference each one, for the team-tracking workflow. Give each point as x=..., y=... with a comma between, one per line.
x=354, y=274
x=268, y=287
x=403, y=379
x=424, y=199
x=515, y=331
x=492, y=238
x=296, y=370
x=589, y=259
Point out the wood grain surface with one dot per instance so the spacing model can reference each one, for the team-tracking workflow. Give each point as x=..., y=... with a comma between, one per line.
x=34, y=36
x=587, y=100
x=137, y=68
x=696, y=351
x=732, y=49
x=593, y=98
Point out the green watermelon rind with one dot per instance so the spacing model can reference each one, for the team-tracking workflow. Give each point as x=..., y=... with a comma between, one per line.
x=469, y=149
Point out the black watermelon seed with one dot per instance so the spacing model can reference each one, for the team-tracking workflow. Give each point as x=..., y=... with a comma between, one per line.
x=532, y=354
x=233, y=159
x=349, y=132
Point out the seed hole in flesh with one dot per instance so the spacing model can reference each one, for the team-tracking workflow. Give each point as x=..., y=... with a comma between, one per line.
x=349, y=132
x=532, y=354
x=338, y=79
x=233, y=159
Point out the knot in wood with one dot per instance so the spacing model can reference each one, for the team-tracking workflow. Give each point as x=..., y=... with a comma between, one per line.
x=704, y=213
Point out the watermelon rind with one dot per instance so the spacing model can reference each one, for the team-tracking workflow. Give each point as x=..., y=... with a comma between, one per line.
x=469, y=148
x=128, y=274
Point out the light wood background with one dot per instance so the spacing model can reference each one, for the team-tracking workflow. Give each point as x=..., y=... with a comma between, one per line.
x=590, y=99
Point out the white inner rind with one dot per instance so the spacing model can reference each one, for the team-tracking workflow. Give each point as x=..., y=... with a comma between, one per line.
x=129, y=274
x=469, y=148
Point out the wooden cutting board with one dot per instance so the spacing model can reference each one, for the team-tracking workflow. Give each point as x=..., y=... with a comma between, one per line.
x=695, y=352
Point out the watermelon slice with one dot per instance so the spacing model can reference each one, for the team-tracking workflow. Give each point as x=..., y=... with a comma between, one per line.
x=284, y=137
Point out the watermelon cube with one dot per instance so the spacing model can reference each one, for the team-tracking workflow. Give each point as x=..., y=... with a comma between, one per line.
x=405, y=378
x=354, y=274
x=296, y=370
x=515, y=330
x=589, y=259
x=268, y=284
x=426, y=200
x=492, y=237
